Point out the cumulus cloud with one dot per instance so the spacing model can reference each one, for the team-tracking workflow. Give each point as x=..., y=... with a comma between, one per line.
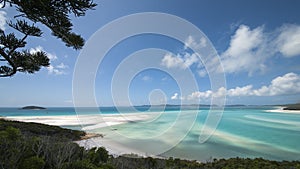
x=172, y=61
x=288, y=41
x=175, y=96
x=52, y=69
x=62, y=66
x=57, y=70
x=198, y=94
x=190, y=42
x=287, y=84
x=221, y=92
x=181, y=61
x=2, y=20
x=39, y=49
x=202, y=72
x=247, y=51
x=241, y=91
x=146, y=78
x=282, y=85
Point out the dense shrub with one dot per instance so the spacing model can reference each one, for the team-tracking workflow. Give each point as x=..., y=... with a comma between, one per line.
x=33, y=163
x=22, y=147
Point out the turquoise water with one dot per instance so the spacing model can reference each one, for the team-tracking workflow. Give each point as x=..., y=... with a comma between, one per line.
x=243, y=131
x=247, y=133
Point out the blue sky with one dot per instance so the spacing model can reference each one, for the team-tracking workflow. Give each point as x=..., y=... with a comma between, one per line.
x=258, y=43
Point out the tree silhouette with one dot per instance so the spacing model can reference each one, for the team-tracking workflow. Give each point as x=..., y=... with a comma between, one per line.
x=54, y=14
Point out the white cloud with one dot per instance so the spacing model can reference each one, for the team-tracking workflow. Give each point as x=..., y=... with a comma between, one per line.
x=190, y=42
x=51, y=56
x=241, y=91
x=190, y=59
x=146, y=78
x=287, y=84
x=245, y=40
x=36, y=49
x=172, y=61
x=282, y=85
x=39, y=49
x=247, y=51
x=2, y=20
x=62, y=66
x=181, y=61
x=164, y=79
x=198, y=94
x=55, y=70
x=220, y=93
x=175, y=96
x=202, y=72
x=288, y=41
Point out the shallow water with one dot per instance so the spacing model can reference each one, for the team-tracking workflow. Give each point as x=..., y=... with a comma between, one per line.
x=242, y=131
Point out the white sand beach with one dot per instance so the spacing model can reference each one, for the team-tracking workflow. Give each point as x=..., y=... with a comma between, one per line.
x=111, y=146
x=91, y=122
x=279, y=109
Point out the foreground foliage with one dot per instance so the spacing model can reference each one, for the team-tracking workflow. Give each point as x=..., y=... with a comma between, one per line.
x=232, y=163
x=32, y=145
x=38, y=146
x=292, y=106
x=54, y=14
x=42, y=130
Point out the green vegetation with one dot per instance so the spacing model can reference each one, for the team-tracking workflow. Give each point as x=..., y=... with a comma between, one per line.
x=232, y=163
x=54, y=14
x=32, y=145
x=38, y=146
x=292, y=107
x=42, y=130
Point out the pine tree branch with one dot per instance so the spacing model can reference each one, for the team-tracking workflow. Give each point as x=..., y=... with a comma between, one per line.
x=17, y=46
x=11, y=63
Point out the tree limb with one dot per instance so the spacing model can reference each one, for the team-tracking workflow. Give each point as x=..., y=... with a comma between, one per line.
x=11, y=63
x=15, y=47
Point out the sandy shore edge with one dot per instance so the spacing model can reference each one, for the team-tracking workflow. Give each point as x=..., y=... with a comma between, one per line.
x=91, y=139
x=114, y=148
x=279, y=109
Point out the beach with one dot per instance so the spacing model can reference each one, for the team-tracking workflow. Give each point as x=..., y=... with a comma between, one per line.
x=111, y=146
x=280, y=109
x=271, y=133
x=91, y=122
x=88, y=122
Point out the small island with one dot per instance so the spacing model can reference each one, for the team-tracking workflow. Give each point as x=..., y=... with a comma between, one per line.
x=33, y=108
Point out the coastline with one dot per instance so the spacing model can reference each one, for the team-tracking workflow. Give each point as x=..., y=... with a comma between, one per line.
x=91, y=135
x=90, y=122
x=115, y=149
x=280, y=109
x=115, y=146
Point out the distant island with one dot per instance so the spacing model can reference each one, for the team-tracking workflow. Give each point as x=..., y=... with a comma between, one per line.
x=292, y=106
x=33, y=108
